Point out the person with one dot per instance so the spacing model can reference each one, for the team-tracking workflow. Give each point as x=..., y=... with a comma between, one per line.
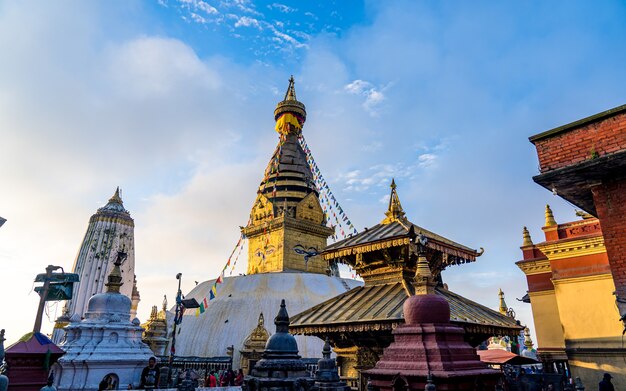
x=605, y=384
x=150, y=375
x=212, y=379
x=49, y=386
x=231, y=377
x=239, y=378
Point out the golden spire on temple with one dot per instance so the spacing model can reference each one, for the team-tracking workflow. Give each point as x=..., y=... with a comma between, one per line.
x=528, y=342
x=550, y=221
x=424, y=283
x=527, y=239
x=116, y=197
x=504, y=310
x=290, y=114
x=394, y=211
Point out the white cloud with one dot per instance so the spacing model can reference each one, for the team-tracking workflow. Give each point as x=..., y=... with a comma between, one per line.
x=373, y=96
x=426, y=160
x=246, y=21
x=282, y=8
x=199, y=5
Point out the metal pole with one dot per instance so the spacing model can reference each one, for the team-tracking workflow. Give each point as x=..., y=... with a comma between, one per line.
x=179, y=295
x=42, y=297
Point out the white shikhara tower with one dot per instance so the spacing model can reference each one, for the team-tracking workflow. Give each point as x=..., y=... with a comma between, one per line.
x=110, y=229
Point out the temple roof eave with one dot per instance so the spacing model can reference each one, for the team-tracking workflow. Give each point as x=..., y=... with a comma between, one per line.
x=380, y=308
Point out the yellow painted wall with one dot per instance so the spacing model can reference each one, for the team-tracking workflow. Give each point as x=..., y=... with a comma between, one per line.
x=588, y=313
x=547, y=322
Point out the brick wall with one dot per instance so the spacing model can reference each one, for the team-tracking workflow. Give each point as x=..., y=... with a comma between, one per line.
x=580, y=144
x=610, y=201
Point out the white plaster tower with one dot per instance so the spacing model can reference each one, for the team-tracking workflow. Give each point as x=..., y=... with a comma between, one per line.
x=110, y=229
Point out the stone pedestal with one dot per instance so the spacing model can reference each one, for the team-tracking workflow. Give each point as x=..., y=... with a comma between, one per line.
x=429, y=345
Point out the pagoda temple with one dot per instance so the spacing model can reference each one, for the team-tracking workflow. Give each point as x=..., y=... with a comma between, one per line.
x=286, y=215
x=110, y=229
x=359, y=323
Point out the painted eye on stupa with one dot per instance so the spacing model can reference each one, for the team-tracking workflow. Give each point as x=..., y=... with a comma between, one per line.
x=270, y=250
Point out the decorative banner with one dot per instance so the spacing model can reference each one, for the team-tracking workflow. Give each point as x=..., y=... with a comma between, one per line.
x=330, y=205
x=286, y=119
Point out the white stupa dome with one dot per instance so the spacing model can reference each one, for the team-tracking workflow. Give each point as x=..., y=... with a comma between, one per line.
x=234, y=312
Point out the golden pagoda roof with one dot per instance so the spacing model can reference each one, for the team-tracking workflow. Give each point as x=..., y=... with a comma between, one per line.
x=379, y=307
x=397, y=230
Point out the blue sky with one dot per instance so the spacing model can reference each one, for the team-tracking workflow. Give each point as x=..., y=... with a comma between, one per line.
x=173, y=101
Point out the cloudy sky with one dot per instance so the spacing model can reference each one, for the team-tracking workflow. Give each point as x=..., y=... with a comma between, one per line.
x=173, y=101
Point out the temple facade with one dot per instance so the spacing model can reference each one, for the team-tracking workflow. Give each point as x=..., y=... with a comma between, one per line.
x=155, y=330
x=570, y=288
x=286, y=215
x=110, y=229
x=359, y=323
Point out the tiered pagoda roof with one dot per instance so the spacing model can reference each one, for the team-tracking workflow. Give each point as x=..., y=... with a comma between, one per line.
x=386, y=256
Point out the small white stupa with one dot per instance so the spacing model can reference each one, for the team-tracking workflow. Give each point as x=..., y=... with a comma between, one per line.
x=106, y=345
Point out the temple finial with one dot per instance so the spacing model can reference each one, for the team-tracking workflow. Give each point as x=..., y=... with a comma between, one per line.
x=424, y=283
x=116, y=197
x=326, y=350
x=527, y=239
x=550, y=221
x=114, y=281
x=503, y=309
x=528, y=342
x=291, y=90
x=282, y=319
x=164, y=303
x=153, y=313
x=290, y=114
x=394, y=210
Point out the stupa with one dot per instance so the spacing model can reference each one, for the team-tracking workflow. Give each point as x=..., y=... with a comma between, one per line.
x=106, y=345
x=281, y=368
x=286, y=213
x=428, y=348
x=110, y=229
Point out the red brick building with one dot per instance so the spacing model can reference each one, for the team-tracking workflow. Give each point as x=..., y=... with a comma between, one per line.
x=584, y=162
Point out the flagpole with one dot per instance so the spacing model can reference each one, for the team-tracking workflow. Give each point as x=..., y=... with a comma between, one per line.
x=179, y=296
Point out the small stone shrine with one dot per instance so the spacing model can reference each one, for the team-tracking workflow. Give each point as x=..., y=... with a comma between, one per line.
x=281, y=368
x=327, y=376
x=29, y=360
x=429, y=348
x=4, y=381
x=253, y=346
x=106, y=346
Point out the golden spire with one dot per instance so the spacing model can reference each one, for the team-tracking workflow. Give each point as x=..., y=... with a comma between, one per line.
x=504, y=310
x=527, y=240
x=153, y=313
x=424, y=283
x=394, y=211
x=290, y=114
x=116, y=197
x=550, y=221
x=115, y=277
x=528, y=342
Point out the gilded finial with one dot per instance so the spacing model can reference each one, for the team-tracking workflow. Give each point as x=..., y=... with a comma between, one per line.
x=503, y=309
x=527, y=239
x=550, y=221
x=153, y=313
x=528, y=342
x=115, y=277
x=290, y=114
x=424, y=283
x=261, y=320
x=116, y=197
x=394, y=210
